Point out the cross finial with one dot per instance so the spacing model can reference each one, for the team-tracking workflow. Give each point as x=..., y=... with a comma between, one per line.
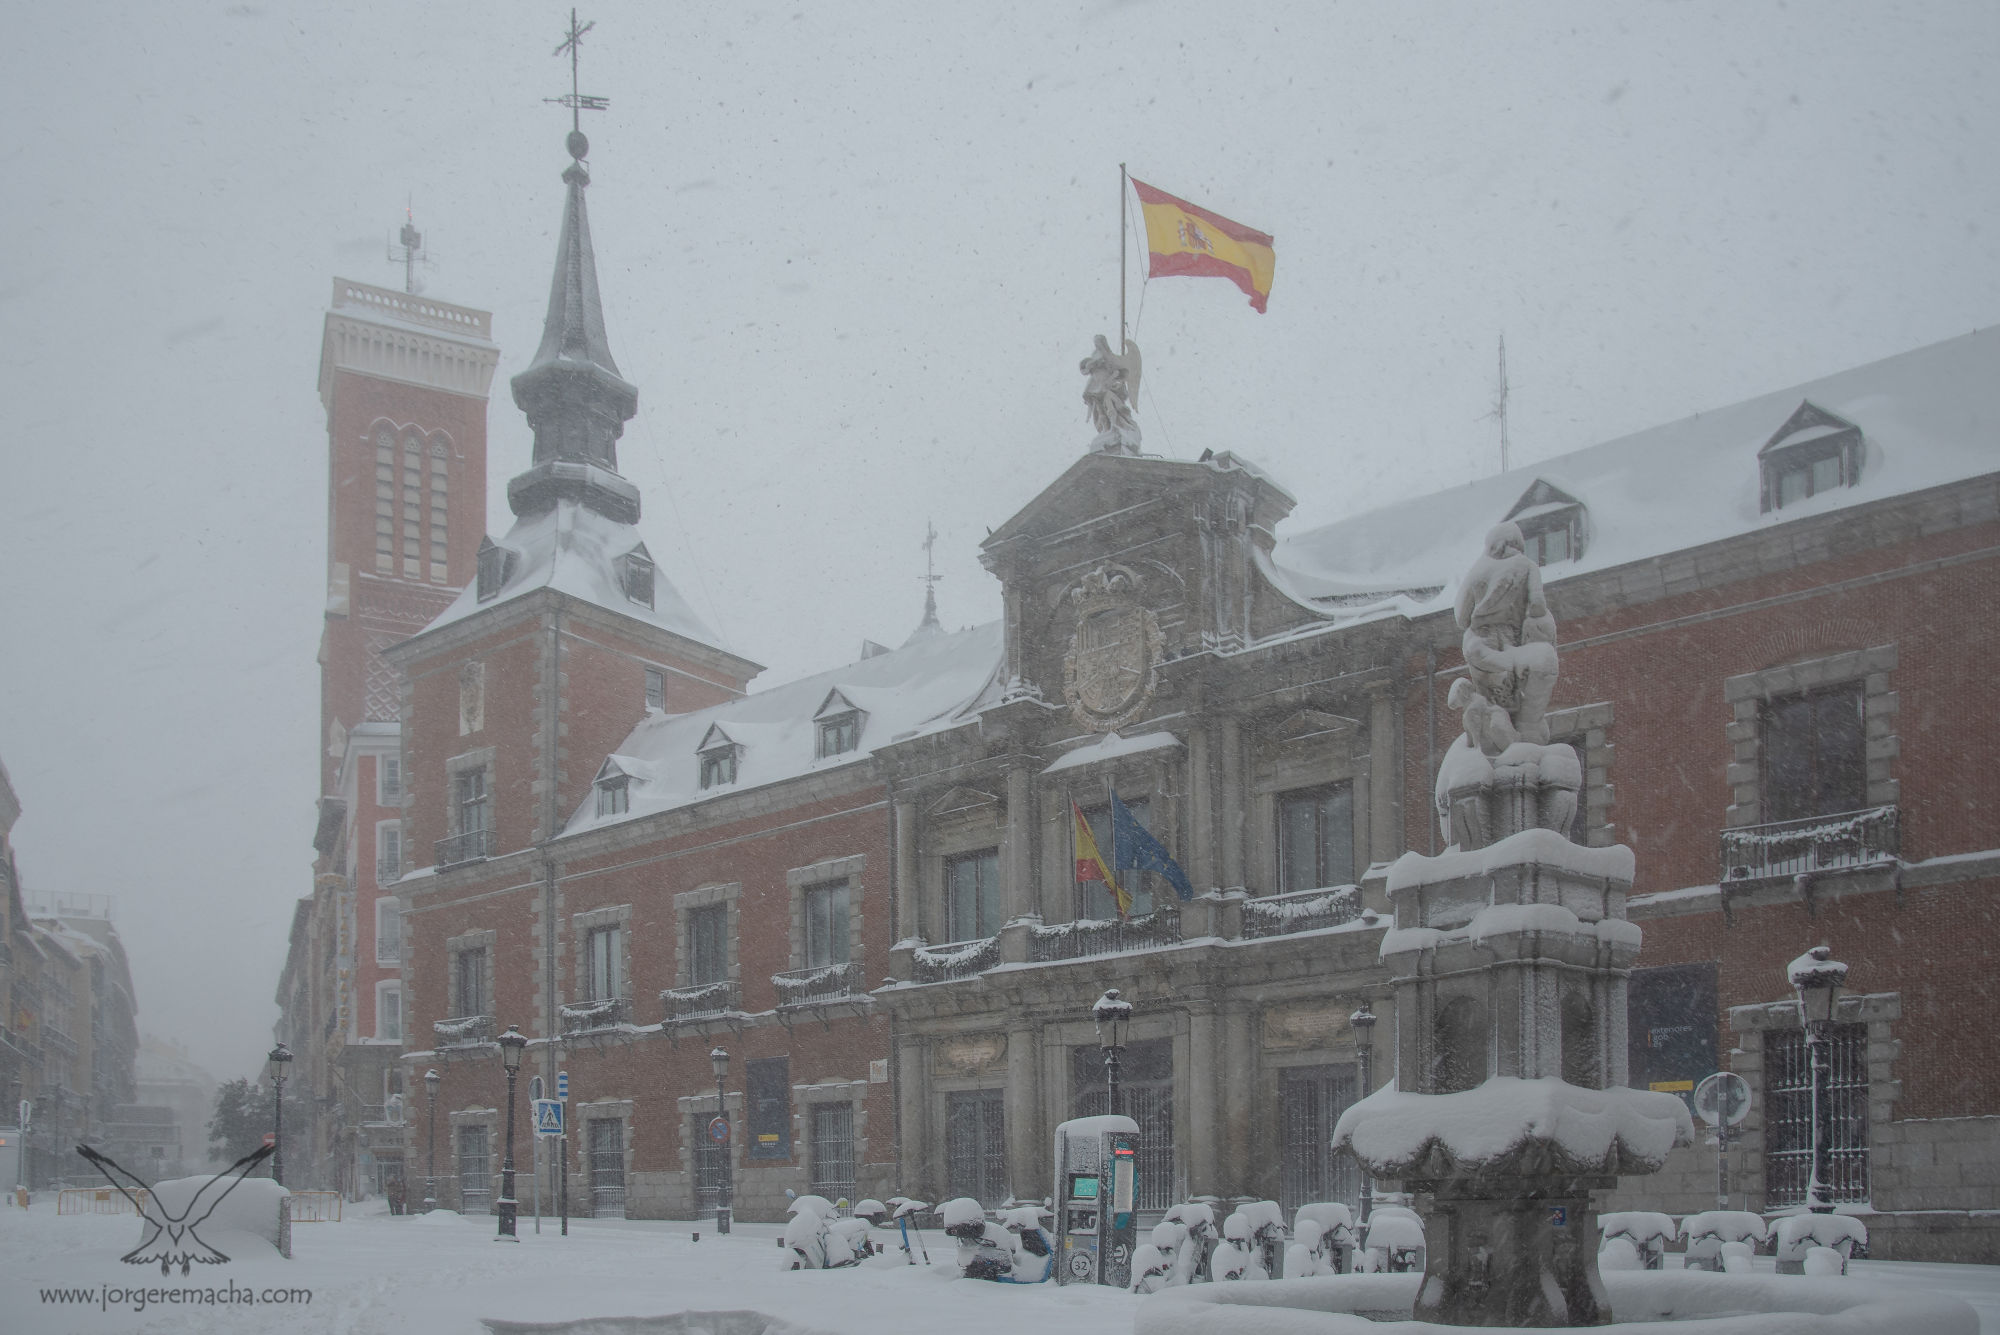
x=931, y=577
x=577, y=102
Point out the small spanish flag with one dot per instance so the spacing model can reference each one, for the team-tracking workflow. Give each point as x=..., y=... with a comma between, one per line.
x=1184, y=238
x=1090, y=864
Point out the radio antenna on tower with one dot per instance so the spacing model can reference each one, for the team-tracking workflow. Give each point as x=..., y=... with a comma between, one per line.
x=408, y=249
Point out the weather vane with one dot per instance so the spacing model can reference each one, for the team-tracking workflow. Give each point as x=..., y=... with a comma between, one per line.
x=930, y=576
x=578, y=103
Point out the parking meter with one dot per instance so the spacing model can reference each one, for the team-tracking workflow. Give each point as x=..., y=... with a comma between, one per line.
x=1096, y=1195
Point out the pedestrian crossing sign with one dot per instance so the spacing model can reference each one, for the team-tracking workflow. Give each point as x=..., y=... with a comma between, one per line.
x=548, y=1117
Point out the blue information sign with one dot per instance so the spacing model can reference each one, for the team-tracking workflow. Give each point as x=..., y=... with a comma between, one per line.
x=548, y=1117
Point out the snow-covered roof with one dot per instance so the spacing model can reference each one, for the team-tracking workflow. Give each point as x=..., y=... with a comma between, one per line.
x=573, y=549
x=918, y=688
x=1927, y=417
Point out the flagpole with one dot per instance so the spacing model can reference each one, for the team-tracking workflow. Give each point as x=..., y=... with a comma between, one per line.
x=1123, y=227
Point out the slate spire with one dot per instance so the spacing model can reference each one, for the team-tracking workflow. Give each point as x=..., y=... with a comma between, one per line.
x=571, y=392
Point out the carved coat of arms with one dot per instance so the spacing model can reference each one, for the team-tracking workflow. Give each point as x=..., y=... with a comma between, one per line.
x=1109, y=671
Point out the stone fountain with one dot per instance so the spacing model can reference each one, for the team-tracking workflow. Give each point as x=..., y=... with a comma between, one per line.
x=1509, y=958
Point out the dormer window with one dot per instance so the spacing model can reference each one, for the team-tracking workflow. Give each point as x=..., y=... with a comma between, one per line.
x=496, y=563
x=1552, y=523
x=613, y=784
x=1815, y=451
x=718, y=767
x=614, y=795
x=635, y=575
x=839, y=721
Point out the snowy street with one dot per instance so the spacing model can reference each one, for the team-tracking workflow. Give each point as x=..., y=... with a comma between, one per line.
x=440, y=1274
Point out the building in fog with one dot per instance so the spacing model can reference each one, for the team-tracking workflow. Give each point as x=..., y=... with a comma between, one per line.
x=403, y=380
x=861, y=885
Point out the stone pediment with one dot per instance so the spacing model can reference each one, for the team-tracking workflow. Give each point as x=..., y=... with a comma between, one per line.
x=958, y=799
x=1313, y=725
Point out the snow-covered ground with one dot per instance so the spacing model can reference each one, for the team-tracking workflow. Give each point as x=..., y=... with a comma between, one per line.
x=441, y=1275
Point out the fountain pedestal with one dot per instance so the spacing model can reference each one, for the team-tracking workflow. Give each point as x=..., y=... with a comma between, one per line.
x=1509, y=961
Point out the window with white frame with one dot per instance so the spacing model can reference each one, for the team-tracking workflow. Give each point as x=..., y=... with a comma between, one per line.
x=388, y=781
x=826, y=924
x=972, y=895
x=474, y=808
x=614, y=795
x=656, y=688
x=708, y=944
x=604, y=963
x=1316, y=837
x=389, y=1011
x=388, y=931
x=388, y=852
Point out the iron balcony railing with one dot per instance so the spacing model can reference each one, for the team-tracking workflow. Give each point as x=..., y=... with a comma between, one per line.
x=700, y=1002
x=1817, y=843
x=954, y=962
x=1300, y=911
x=605, y=1013
x=463, y=1032
x=468, y=847
x=388, y=871
x=1079, y=940
x=811, y=987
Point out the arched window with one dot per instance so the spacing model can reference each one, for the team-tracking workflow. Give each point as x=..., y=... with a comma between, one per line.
x=440, y=462
x=385, y=499
x=413, y=520
x=1458, y=1046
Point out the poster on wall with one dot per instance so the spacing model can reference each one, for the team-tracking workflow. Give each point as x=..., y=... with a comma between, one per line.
x=1672, y=1042
x=770, y=1098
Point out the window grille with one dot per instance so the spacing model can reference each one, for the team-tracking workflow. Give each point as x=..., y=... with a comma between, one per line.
x=607, y=1167
x=975, y=1124
x=1788, y=1098
x=475, y=1169
x=833, y=1150
x=1146, y=1095
x=1310, y=1101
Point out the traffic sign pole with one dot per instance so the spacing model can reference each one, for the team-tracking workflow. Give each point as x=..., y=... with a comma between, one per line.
x=1723, y=1101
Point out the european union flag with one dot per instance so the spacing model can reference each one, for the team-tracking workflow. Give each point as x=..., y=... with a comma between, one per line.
x=1133, y=848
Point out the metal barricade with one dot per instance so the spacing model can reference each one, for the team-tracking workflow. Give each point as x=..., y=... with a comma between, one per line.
x=315, y=1207
x=100, y=1200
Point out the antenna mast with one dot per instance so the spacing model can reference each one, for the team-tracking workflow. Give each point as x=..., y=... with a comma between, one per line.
x=1500, y=402
x=408, y=249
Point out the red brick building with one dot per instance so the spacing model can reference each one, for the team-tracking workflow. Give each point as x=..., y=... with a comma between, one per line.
x=403, y=379
x=861, y=885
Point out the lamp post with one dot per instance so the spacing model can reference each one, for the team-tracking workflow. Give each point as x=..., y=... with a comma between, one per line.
x=281, y=1061
x=1817, y=976
x=719, y=1060
x=1363, y=1021
x=431, y=1078
x=512, y=1044
x=1113, y=1014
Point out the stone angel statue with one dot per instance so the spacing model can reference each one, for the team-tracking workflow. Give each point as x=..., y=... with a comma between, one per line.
x=1110, y=392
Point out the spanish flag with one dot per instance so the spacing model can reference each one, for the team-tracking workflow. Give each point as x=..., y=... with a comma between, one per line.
x=1184, y=238
x=1090, y=864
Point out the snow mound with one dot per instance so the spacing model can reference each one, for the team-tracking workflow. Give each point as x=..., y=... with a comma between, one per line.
x=1644, y=1302
x=1513, y=1126
x=243, y=1220
x=1548, y=848
x=678, y=1323
x=1638, y=1225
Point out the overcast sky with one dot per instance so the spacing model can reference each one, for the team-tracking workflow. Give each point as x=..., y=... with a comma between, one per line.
x=851, y=255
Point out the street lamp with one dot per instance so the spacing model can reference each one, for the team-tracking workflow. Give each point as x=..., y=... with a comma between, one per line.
x=719, y=1060
x=1113, y=1014
x=1817, y=976
x=281, y=1061
x=512, y=1044
x=431, y=1078
x=1363, y=1021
